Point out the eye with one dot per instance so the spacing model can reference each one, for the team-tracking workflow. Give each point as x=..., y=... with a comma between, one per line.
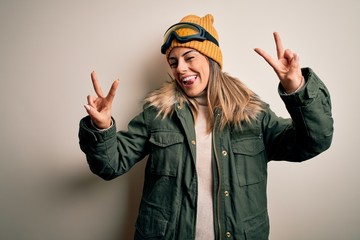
x=173, y=64
x=189, y=58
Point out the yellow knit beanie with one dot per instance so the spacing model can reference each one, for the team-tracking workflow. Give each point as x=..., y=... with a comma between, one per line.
x=206, y=47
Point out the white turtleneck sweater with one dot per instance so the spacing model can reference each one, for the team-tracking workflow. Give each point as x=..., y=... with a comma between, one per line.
x=205, y=218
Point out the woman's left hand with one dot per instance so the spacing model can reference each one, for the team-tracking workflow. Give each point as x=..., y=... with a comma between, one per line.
x=286, y=67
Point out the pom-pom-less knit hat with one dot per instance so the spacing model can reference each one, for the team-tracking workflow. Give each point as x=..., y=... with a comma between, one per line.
x=206, y=47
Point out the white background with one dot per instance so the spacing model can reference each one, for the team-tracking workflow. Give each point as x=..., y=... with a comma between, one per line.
x=49, y=48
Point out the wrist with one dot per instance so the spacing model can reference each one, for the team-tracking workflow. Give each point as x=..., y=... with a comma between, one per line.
x=302, y=83
x=102, y=128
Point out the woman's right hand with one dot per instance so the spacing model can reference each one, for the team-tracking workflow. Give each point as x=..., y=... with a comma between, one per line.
x=99, y=108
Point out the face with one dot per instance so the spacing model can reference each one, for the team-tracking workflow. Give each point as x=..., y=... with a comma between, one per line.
x=190, y=69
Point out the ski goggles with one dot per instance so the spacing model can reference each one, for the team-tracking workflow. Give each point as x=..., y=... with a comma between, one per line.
x=199, y=34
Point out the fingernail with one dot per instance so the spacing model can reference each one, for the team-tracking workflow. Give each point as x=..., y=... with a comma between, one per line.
x=87, y=107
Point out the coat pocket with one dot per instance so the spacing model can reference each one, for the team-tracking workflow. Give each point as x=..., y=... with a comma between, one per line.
x=257, y=228
x=250, y=159
x=160, y=186
x=166, y=152
x=150, y=227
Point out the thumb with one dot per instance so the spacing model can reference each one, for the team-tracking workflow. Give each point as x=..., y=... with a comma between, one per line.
x=98, y=118
x=93, y=113
x=87, y=108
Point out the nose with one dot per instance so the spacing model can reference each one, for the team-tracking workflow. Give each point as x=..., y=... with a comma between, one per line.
x=181, y=67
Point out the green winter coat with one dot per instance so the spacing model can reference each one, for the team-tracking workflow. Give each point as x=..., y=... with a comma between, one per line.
x=239, y=156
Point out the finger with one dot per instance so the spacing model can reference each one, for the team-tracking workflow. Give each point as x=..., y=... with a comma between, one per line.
x=296, y=58
x=295, y=62
x=279, y=46
x=288, y=55
x=112, y=91
x=267, y=57
x=96, y=84
x=292, y=59
x=91, y=101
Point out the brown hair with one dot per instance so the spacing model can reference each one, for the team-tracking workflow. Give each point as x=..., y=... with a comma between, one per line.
x=226, y=95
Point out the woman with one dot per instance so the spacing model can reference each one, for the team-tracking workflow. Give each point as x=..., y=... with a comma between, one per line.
x=208, y=139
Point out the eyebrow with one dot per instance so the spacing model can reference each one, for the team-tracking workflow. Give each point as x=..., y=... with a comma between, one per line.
x=192, y=50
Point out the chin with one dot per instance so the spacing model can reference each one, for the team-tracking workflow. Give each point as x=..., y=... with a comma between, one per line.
x=191, y=93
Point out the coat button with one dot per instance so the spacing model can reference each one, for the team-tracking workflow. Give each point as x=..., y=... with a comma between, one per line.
x=224, y=152
x=228, y=234
x=226, y=193
x=193, y=142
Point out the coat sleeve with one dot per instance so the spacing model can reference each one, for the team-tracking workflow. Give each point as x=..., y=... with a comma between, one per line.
x=110, y=153
x=310, y=129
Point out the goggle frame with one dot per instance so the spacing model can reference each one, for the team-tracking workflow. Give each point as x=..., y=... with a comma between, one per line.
x=200, y=35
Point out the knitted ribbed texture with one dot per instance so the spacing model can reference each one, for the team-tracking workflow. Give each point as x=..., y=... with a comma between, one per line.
x=206, y=47
x=204, y=171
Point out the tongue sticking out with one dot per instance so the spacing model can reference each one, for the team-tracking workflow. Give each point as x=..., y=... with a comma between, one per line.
x=189, y=80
